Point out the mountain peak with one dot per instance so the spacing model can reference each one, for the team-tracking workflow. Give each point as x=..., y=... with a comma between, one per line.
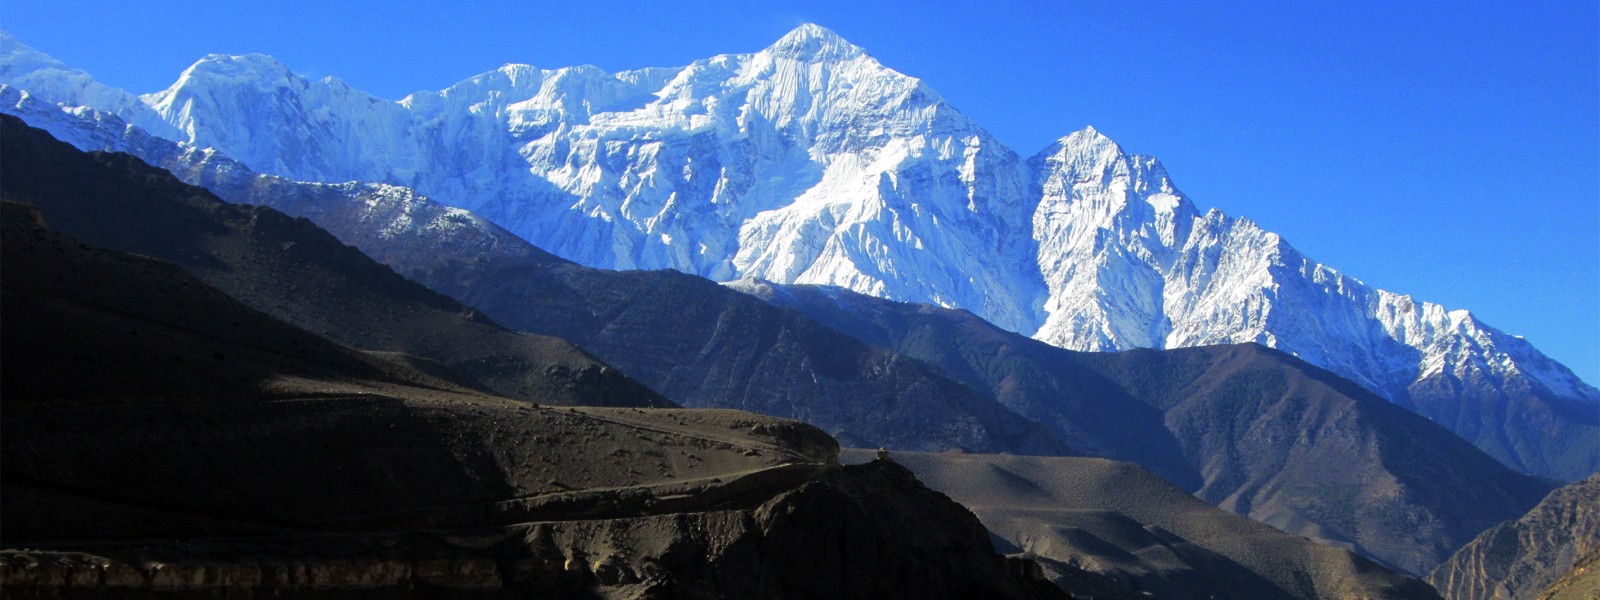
x=812, y=42
x=1081, y=143
x=16, y=56
x=53, y=82
x=235, y=65
x=254, y=71
x=1087, y=135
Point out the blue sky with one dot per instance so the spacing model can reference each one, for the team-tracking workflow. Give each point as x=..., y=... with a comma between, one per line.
x=1446, y=150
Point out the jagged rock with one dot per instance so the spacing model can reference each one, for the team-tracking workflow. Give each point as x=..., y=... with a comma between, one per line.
x=1582, y=582
x=1113, y=530
x=1521, y=559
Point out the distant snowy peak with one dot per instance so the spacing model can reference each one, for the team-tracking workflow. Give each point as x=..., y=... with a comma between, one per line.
x=816, y=87
x=1086, y=151
x=530, y=100
x=254, y=108
x=235, y=73
x=814, y=43
x=1088, y=160
x=1108, y=225
x=52, y=81
x=258, y=71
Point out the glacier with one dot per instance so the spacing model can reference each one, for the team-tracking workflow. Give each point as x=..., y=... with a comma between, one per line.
x=809, y=162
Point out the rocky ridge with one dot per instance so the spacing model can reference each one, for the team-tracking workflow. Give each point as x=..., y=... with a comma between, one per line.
x=1142, y=536
x=1555, y=543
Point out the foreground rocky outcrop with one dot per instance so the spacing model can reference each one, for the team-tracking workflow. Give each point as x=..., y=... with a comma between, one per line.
x=1581, y=582
x=1549, y=552
x=868, y=531
x=1108, y=529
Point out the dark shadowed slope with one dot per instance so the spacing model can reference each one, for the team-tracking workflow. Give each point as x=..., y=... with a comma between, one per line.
x=1244, y=427
x=694, y=341
x=160, y=439
x=294, y=271
x=1552, y=547
x=1524, y=424
x=705, y=345
x=1028, y=376
x=73, y=331
x=1142, y=533
x=688, y=338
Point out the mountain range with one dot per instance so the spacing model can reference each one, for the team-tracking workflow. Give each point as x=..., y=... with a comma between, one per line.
x=1243, y=427
x=144, y=405
x=456, y=308
x=809, y=162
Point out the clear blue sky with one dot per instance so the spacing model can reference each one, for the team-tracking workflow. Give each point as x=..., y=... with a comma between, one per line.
x=1448, y=150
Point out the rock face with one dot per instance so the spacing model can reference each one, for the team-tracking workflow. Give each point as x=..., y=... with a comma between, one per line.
x=1140, y=535
x=1581, y=582
x=898, y=539
x=1243, y=427
x=161, y=439
x=1548, y=552
x=811, y=163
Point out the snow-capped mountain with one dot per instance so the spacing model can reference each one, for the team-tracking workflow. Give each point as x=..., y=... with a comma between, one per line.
x=810, y=162
x=807, y=162
x=1131, y=262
